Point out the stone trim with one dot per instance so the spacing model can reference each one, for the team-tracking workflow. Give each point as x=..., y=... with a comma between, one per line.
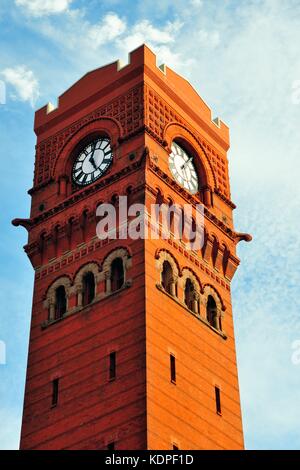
x=78, y=280
x=50, y=300
x=121, y=253
x=78, y=309
x=210, y=291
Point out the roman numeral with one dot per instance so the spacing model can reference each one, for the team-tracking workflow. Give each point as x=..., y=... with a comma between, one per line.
x=107, y=144
x=79, y=175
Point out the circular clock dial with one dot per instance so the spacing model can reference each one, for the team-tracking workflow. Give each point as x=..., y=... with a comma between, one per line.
x=183, y=169
x=92, y=162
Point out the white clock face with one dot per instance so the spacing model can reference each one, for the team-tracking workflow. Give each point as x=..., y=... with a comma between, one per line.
x=183, y=169
x=92, y=162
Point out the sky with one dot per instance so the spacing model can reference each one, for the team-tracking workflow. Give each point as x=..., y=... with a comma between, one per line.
x=243, y=58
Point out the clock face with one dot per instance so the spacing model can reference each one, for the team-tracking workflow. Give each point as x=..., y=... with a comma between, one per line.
x=183, y=169
x=92, y=162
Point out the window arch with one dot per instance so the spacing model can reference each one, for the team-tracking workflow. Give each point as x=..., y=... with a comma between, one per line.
x=88, y=288
x=57, y=298
x=189, y=295
x=60, y=302
x=168, y=271
x=214, y=307
x=85, y=283
x=211, y=312
x=115, y=267
x=191, y=288
x=117, y=275
x=167, y=277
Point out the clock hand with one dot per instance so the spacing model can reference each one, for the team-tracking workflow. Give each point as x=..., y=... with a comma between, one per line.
x=185, y=163
x=91, y=159
x=93, y=150
x=183, y=169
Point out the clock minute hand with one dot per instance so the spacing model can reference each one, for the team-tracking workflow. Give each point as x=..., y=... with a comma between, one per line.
x=185, y=163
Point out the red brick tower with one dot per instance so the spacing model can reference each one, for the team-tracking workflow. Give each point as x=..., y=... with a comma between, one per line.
x=132, y=341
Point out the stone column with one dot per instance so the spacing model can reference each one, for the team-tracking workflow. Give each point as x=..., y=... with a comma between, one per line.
x=219, y=319
x=51, y=309
x=173, y=286
x=196, y=303
x=107, y=282
x=79, y=296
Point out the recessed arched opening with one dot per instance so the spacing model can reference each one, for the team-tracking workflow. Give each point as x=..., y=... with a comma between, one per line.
x=117, y=276
x=159, y=198
x=212, y=312
x=189, y=294
x=60, y=302
x=88, y=288
x=167, y=277
x=197, y=160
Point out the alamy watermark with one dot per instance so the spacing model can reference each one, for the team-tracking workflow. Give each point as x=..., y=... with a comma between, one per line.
x=180, y=222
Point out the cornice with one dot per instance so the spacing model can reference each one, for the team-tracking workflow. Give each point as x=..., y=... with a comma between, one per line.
x=225, y=199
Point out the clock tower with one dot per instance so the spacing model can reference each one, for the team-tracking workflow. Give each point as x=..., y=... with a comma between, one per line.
x=132, y=341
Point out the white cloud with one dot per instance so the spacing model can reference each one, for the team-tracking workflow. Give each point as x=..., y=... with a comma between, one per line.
x=145, y=32
x=107, y=30
x=77, y=33
x=111, y=31
x=159, y=39
x=24, y=83
x=44, y=7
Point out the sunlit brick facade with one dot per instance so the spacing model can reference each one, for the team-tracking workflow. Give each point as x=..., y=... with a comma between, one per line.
x=118, y=356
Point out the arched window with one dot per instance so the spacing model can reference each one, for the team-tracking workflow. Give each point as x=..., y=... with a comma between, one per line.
x=189, y=295
x=212, y=312
x=88, y=288
x=159, y=198
x=167, y=277
x=117, y=274
x=60, y=302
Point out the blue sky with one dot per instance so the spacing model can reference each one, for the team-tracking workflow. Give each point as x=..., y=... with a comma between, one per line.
x=243, y=58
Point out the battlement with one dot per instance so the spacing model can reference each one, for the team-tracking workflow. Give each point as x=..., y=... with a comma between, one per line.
x=111, y=80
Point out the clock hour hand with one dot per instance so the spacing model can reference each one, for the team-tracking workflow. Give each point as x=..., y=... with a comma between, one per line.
x=91, y=159
x=184, y=172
